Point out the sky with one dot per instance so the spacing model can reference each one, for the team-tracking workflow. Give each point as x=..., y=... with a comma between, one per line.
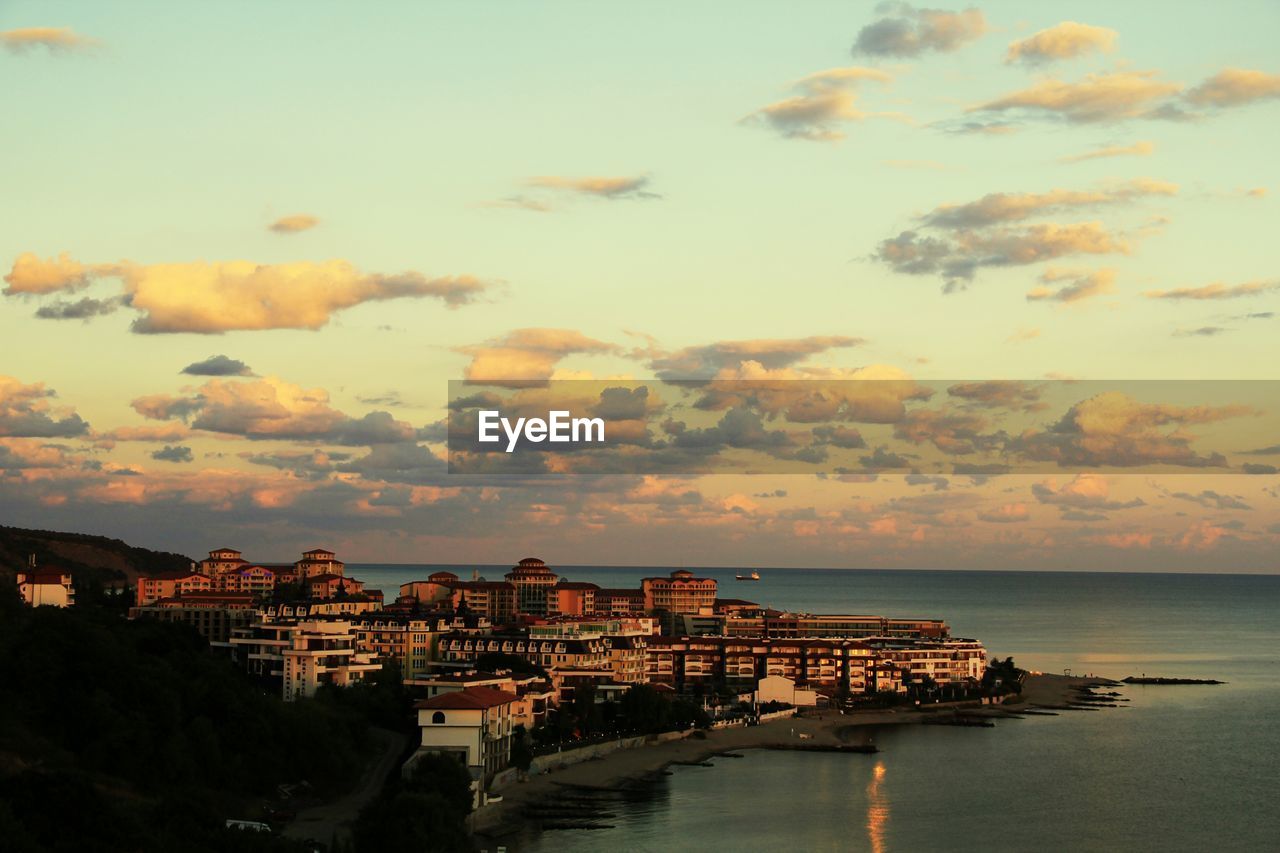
x=246, y=247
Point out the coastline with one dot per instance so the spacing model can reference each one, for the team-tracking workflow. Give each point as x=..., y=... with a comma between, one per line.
x=628, y=769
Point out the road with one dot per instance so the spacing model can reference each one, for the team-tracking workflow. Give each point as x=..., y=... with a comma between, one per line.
x=326, y=822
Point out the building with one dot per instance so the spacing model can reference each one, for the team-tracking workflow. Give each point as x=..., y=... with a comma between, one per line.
x=746, y=622
x=950, y=661
x=535, y=697
x=46, y=586
x=473, y=724
x=326, y=586
x=318, y=561
x=302, y=654
x=410, y=639
x=707, y=664
x=619, y=602
x=680, y=593
x=533, y=583
x=213, y=614
x=152, y=588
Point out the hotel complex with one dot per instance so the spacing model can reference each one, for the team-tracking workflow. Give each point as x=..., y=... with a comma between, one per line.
x=486, y=657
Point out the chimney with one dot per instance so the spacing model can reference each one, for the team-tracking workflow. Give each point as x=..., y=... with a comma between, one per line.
x=31, y=560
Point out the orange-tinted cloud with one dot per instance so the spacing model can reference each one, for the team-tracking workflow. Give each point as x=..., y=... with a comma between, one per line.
x=26, y=411
x=1137, y=149
x=212, y=297
x=272, y=408
x=825, y=100
x=293, y=224
x=1066, y=40
x=527, y=355
x=1215, y=291
x=53, y=39
x=1100, y=97
x=1063, y=285
x=1233, y=87
x=907, y=31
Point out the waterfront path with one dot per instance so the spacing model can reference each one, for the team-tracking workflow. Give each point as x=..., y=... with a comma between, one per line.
x=326, y=822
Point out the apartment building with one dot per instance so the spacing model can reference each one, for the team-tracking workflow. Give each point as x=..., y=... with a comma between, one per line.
x=46, y=586
x=213, y=614
x=152, y=588
x=475, y=724
x=302, y=654
x=745, y=622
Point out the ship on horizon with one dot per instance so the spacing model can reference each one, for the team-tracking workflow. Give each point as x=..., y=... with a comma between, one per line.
x=754, y=576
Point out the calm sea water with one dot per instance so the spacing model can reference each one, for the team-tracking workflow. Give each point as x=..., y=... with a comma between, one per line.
x=1179, y=768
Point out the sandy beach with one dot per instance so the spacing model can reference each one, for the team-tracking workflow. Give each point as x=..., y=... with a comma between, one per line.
x=815, y=729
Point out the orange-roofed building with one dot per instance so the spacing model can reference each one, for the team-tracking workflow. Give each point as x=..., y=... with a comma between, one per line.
x=152, y=588
x=474, y=724
x=47, y=586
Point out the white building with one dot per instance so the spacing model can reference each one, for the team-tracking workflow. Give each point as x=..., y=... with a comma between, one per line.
x=303, y=654
x=779, y=688
x=46, y=586
x=473, y=724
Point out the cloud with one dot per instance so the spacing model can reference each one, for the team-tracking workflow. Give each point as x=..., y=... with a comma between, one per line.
x=1114, y=429
x=293, y=224
x=1213, y=500
x=598, y=186
x=218, y=365
x=1066, y=40
x=53, y=39
x=170, y=453
x=724, y=357
x=1217, y=290
x=1234, y=87
x=210, y=298
x=1083, y=492
x=1104, y=97
x=34, y=275
x=1006, y=514
x=26, y=412
x=908, y=31
x=950, y=432
x=1200, y=332
x=527, y=355
x=1257, y=468
x=996, y=208
x=824, y=101
x=1137, y=149
x=81, y=309
x=1023, y=334
x=1000, y=394
x=954, y=241
x=1072, y=285
x=270, y=408
x=958, y=260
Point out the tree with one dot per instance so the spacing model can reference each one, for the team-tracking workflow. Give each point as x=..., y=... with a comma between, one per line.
x=643, y=709
x=424, y=823
x=521, y=754
x=443, y=775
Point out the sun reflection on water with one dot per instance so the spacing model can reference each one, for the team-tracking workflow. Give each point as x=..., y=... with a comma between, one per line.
x=877, y=809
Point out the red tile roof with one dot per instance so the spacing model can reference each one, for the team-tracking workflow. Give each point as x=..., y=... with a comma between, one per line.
x=470, y=699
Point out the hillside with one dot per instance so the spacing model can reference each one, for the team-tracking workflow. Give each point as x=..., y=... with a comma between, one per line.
x=90, y=557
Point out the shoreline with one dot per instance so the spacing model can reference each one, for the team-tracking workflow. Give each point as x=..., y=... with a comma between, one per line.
x=631, y=769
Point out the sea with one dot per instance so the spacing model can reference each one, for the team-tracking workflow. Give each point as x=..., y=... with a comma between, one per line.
x=1176, y=768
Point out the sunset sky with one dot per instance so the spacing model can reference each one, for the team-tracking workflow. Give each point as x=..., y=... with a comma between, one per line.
x=246, y=247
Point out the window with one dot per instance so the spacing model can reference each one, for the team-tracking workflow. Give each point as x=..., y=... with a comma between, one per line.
x=437, y=718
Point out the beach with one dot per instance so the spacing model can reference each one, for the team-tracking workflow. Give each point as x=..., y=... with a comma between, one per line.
x=827, y=730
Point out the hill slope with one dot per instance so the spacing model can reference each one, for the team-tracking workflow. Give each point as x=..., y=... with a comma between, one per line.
x=92, y=556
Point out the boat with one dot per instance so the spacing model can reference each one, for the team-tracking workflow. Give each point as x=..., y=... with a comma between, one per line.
x=754, y=576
